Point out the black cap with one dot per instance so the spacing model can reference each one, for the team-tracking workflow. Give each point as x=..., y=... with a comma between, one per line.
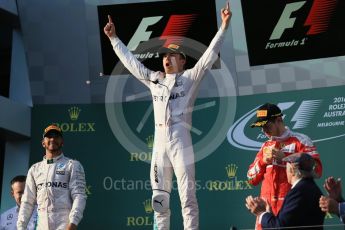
x=304, y=161
x=52, y=128
x=172, y=48
x=265, y=113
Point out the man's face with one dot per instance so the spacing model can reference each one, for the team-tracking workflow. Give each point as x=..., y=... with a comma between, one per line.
x=52, y=141
x=17, y=190
x=271, y=128
x=173, y=63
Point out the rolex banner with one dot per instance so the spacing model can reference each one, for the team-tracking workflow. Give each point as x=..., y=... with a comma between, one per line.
x=114, y=144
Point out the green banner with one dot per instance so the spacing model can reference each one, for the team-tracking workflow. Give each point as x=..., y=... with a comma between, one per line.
x=114, y=144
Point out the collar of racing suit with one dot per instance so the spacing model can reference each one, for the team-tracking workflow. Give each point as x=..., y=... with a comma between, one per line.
x=173, y=75
x=53, y=160
x=282, y=137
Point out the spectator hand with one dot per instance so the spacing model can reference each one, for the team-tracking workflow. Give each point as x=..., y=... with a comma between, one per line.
x=328, y=204
x=268, y=207
x=256, y=205
x=333, y=188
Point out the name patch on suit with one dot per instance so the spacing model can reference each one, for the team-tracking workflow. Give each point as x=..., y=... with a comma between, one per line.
x=53, y=184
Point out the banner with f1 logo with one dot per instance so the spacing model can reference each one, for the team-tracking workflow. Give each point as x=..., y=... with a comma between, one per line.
x=292, y=30
x=145, y=27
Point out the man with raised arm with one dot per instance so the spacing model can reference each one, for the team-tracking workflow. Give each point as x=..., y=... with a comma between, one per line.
x=173, y=94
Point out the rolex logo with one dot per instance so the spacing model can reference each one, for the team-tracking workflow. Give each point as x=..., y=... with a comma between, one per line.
x=148, y=206
x=231, y=170
x=74, y=113
x=150, y=140
x=88, y=190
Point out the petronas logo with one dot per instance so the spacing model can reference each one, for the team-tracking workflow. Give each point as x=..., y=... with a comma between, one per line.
x=74, y=113
x=148, y=206
x=231, y=170
x=150, y=140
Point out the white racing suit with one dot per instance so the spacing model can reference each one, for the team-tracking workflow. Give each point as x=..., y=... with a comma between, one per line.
x=10, y=217
x=58, y=187
x=173, y=100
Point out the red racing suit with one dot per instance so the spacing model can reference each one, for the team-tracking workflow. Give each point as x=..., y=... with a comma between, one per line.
x=273, y=176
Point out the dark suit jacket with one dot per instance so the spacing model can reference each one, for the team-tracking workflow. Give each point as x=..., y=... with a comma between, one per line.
x=300, y=208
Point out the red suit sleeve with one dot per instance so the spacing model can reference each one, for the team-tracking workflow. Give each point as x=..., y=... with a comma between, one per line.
x=257, y=169
x=307, y=146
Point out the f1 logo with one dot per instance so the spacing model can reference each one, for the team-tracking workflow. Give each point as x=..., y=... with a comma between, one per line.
x=154, y=25
x=141, y=34
x=318, y=18
x=285, y=21
x=177, y=26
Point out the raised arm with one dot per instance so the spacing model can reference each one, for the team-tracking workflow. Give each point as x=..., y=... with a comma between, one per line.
x=226, y=16
x=211, y=54
x=109, y=28
x=134, y=66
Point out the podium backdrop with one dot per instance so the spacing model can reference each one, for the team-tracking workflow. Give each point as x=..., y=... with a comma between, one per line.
x=117, y=170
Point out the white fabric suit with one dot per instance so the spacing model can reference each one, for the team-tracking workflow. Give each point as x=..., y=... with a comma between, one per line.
x=173, y=100
x=58, y=187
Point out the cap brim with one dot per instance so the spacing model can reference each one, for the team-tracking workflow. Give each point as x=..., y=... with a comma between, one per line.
x=258, y=123
x=165, y=50
x=51, y=131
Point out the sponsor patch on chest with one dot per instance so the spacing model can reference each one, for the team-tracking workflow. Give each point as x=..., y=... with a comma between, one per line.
x=289, y=148
x=60, y=169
